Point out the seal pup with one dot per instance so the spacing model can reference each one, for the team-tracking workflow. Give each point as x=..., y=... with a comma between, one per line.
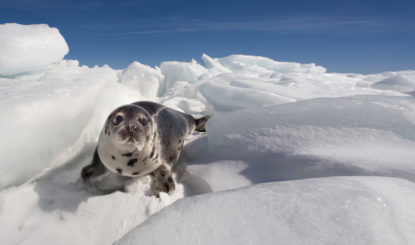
x=143, y=138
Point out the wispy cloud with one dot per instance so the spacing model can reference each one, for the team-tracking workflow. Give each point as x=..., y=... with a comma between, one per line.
x=310, y=24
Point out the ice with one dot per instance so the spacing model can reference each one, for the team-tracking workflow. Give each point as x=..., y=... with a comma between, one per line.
x=180, y=71
x=239, y=81
x=228, y=97
x=263, y=65
x=29, y=48
x=51, y=117
x=143, y=78
x=274, y=126
x=214, y=66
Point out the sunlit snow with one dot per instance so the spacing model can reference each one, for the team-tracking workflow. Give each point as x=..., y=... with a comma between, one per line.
x=293, y=154
x=29, y=48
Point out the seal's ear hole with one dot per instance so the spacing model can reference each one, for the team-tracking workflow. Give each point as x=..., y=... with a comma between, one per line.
x=143, y=121
x=118, y=119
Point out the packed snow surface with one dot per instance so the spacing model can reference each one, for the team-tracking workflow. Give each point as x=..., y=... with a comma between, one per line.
x=289, y=212
x=29, y=48
x=293, y=154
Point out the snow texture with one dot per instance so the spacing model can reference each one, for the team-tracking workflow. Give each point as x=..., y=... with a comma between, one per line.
x=289, y=213
x=292, y=153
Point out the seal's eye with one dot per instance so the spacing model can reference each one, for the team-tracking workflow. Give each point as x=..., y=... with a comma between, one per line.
x=143, y=121
x=118, y=120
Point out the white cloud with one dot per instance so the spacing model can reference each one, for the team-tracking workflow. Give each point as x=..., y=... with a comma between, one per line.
x=301, y=24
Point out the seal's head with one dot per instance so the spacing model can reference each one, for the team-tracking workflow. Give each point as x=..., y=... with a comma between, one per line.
x=129, y=126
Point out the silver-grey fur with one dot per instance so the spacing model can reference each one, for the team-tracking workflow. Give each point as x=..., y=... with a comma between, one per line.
x=143, y=138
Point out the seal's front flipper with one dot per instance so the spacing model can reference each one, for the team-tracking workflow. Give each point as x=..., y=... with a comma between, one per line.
x=201, y=123
x=96, y=168
x=162, y=180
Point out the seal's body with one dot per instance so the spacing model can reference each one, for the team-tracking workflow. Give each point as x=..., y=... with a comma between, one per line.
x=143, y=138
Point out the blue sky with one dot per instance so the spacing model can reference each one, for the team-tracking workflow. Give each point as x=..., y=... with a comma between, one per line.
x=343, y=36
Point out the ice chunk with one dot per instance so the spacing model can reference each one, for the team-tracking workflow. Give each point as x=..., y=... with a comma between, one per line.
x=29, y=48
x=227, y=97
x=180, y=71
x=214, y=65
x=142, y=78
x=351, y=210
x=47, y=120
x=257, y=64
x=240, y=81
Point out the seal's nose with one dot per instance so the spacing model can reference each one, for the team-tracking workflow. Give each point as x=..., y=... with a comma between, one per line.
x=132, y=127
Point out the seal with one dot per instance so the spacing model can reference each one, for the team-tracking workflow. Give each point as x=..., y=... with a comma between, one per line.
x=143, y=138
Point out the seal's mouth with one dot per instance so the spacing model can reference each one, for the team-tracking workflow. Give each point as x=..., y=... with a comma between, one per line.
x=130, y=136
x=133, y=139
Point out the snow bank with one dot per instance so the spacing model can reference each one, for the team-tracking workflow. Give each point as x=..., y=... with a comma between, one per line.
x=362, y=135
x=29, y=48
x=49, y=118
x=397, y=83
x=355, y=210
x=396, y=114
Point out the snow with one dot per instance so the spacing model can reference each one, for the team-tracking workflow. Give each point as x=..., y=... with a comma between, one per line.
x=292, y=153
x=397, y=83
x=29, y=48
x=291, y=213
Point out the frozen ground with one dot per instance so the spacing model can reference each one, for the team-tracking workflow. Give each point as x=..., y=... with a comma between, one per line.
x=293, y=154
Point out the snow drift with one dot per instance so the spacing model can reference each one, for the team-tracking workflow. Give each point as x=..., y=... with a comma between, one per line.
x=316, y=211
